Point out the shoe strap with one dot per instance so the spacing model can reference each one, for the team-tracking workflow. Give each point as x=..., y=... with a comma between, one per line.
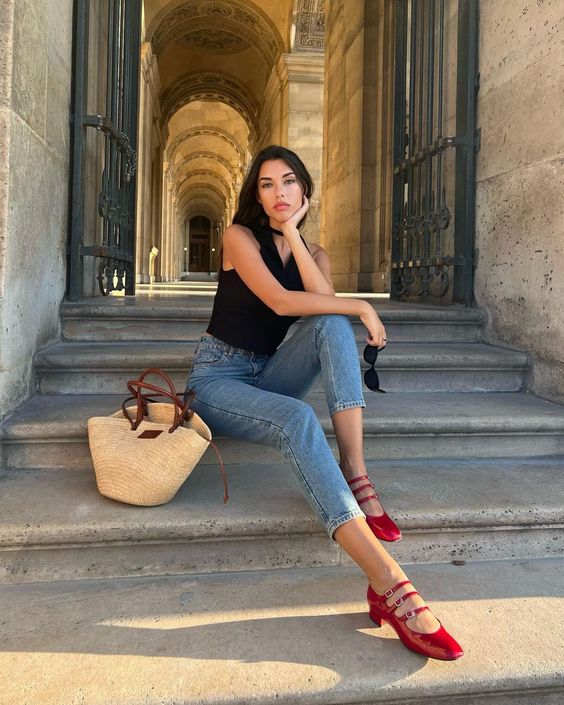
x=412, y=613
x=360, y=477
x=403, y=598
x=367, y=486
x=367, y=498
x=391, y=591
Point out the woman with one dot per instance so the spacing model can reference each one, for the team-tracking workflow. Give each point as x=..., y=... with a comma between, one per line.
x=248, y=387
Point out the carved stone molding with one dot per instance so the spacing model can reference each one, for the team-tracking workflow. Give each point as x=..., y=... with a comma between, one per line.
x=208, y=174
x=210, y=86
x=306, y=68
x=201, y=187
x=207, y=130
x=220, y=26
x=208, y=155
x=309, y=26
x=201, y=195
x=220, y=41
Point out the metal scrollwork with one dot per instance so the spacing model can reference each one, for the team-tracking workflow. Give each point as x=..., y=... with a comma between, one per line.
x=440, y=281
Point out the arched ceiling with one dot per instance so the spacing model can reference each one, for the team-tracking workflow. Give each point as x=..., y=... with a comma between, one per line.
x=214, y=59
x=212, y=86
x=265, y=19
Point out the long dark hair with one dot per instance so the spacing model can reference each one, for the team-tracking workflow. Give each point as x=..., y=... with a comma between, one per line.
x=249, y=210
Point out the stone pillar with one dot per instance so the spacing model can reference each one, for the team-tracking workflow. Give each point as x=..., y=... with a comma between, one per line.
x=164, y=225
x=168, y=245
x=357, y=143
x=302, y=87
x=149, y=112
x=35, y=95
x=520, y=185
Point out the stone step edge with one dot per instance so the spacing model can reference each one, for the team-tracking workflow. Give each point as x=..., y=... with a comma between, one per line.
x=199, y=311
x=101, y=540
x=105, y=520
x=33, y=418
x=477, y=679
x=80, y=434
x=62, y=356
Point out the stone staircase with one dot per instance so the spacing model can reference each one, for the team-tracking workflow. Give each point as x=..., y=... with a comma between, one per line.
x=250, y=602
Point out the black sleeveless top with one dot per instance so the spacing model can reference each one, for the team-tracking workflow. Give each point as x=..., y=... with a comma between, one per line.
x=239, y=317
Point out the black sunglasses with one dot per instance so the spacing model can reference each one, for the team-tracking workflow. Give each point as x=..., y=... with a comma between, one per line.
x=371, y=376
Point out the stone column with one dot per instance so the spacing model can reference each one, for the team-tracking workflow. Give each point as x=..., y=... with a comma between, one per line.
x=301, y=76
x=149, y=112
x=164, y=225
x=35, y=95
x=357, y=143
x=520, y=185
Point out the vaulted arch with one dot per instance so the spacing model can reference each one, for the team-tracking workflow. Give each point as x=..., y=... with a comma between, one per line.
x=222, y=26
x=221, y=134
x=216, y=86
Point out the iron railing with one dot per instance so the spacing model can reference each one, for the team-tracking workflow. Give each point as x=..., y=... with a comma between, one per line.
x=111, y=238
x=435, y=140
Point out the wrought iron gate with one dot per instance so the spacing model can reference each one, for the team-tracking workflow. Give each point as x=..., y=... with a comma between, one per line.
x=105, y=97
x=435, y=141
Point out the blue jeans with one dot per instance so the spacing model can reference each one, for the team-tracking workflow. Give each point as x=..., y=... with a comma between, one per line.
x=258, y=398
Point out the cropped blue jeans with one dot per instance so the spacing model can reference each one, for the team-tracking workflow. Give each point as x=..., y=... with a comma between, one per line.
x=259, y=398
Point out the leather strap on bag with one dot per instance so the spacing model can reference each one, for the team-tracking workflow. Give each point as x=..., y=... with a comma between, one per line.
x=182, y=412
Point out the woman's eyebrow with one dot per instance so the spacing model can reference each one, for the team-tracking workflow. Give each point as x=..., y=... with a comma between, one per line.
x=269, y=178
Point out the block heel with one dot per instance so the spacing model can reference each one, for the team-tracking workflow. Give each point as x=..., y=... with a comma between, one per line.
x=438, y=644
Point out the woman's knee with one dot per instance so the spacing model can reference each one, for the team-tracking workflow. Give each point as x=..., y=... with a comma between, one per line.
x=333, y=325
x=301, y=420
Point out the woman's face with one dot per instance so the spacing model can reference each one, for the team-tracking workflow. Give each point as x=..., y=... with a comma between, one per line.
x=278, y=191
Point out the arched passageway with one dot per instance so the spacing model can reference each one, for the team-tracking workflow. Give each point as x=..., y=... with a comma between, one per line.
x=220, y=79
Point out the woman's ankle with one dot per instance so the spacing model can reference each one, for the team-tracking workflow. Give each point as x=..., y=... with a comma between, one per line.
x=386, y=580
x=351, y=470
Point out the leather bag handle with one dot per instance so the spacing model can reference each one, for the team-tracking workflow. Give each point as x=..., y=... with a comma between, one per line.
x=136, y=385
x=181, y=409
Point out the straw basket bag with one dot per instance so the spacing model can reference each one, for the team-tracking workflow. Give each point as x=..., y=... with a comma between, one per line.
x=144, y=460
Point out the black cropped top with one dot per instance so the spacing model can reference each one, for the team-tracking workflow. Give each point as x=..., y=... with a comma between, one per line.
x=239, y=317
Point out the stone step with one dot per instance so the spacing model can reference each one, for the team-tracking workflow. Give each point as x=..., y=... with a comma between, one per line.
x=292, y=637
x=54, y=525
x=185, y=318
x=50, y=430
x=104, y=368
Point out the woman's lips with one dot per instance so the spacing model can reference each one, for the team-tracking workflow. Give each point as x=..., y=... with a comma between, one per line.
x=281, y=206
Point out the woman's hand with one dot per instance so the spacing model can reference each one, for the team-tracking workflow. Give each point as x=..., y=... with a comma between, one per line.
x=374, y=326
x=290, y=225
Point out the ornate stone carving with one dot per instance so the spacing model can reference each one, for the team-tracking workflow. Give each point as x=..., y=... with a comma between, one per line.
x=191, y=156
x=310, y=26
x=207, y=173
x=198, y=130
x=210, y=86
x=216, y=42
x=223, y=17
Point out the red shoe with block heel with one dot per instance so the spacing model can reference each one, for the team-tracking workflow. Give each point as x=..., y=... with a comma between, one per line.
x=438, y=644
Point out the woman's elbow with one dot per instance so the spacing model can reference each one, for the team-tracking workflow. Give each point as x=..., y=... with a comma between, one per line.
x=280, y=306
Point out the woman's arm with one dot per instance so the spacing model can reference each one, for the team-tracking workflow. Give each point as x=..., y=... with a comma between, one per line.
x=314, y=269
x=241, y=249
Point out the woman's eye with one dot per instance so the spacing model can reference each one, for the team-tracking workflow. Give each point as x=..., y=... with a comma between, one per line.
x=290, y=181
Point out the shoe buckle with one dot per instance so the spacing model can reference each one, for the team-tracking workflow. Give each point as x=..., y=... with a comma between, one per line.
x=388, y=593
x=409, y=614
x=398, y=602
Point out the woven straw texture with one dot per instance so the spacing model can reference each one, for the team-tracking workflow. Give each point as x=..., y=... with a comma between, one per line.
x=145, y=471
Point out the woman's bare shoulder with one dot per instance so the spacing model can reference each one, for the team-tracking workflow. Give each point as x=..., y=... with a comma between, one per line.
x=235, y=236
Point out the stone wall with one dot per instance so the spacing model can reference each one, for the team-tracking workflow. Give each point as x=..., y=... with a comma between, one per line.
x=357, y=143
x=35, y=82
x=520, y=183
x=303, y=74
